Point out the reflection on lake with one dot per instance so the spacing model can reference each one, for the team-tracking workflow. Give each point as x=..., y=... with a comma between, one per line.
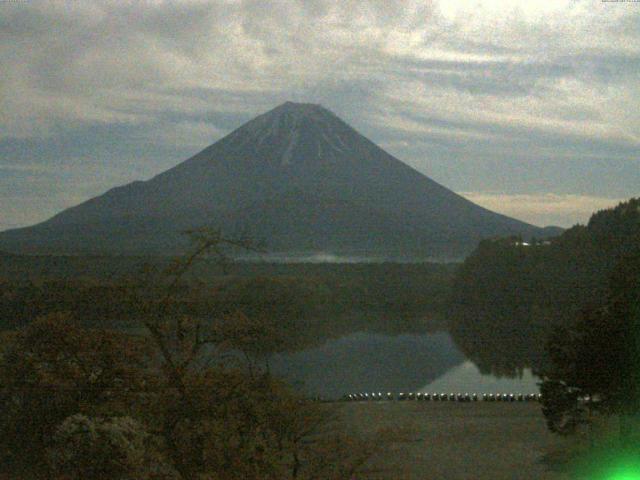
x=467, y=378
x=368, y=362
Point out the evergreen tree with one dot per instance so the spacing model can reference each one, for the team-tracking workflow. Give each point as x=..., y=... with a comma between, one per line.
x=596, y=362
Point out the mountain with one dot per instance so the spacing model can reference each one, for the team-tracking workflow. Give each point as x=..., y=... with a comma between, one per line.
x=296, y=176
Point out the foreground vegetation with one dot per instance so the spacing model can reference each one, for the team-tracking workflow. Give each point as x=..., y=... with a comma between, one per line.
x=185, y=399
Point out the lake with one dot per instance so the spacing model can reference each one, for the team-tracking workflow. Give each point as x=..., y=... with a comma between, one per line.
x=371, y=362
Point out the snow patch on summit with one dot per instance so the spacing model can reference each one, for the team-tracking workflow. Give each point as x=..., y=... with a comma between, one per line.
x=293, y=140
x=329, y=140
x=284, y=126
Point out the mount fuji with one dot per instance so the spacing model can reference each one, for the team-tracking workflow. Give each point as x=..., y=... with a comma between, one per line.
x=298, y=177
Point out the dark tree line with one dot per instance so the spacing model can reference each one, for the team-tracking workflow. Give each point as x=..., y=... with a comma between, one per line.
x=595, y=361
x=314, y=303
x=507, y=298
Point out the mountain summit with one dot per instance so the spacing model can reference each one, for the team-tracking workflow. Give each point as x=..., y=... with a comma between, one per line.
x=297, y=176
x=296, y=131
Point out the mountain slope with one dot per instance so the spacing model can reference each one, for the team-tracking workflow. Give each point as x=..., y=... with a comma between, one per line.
x=297, y=176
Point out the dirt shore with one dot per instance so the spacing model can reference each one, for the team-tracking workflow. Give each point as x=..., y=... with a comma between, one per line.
x=451, y=441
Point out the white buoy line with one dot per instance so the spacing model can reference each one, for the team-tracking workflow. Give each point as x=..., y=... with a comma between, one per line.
x=444, y=397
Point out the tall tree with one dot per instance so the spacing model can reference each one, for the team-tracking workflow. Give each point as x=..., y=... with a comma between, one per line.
x=596, y=361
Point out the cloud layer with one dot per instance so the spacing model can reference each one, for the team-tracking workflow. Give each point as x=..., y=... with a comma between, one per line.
x=527, y=99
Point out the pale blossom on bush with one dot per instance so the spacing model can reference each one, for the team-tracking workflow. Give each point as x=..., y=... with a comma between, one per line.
x=117, y=448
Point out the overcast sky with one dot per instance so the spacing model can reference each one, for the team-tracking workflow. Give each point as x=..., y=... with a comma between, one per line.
x=530, y=108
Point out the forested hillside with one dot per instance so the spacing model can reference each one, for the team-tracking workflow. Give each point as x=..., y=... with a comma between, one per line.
x=313, y=302
x=508, y=295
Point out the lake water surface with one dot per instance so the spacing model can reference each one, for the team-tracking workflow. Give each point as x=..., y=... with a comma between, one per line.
x=371, y=362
